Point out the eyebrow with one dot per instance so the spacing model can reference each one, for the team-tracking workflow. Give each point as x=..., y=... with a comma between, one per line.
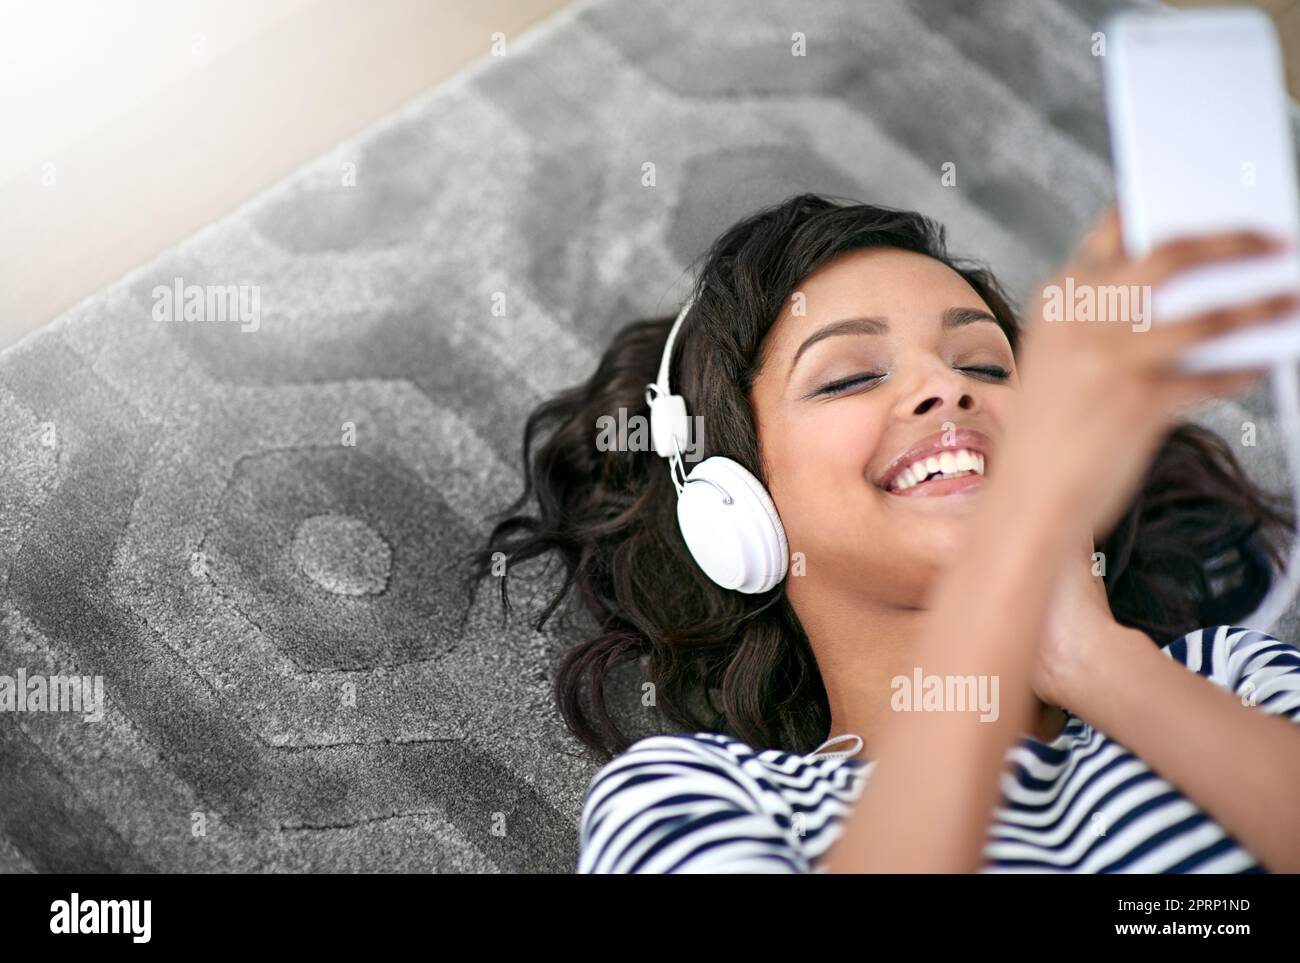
x=952, y=318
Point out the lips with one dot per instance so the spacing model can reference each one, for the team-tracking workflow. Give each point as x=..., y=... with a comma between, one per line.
x=935, y=446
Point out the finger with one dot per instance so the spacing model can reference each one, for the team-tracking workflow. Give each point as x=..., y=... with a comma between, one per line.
x=1103, y=242
x=1185, y=391
x=1180, y=254
x=1162, y=342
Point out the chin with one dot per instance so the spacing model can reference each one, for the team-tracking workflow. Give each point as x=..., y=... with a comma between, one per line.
x=935, y=544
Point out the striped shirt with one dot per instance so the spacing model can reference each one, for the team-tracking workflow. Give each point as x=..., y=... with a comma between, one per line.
x=1082, y=803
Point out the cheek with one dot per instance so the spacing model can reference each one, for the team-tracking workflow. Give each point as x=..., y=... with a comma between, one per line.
x=844, y=441
x=1000, y=403
x=821, y=478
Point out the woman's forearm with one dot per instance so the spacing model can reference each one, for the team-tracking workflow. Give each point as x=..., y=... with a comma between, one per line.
x=936, y=783
x=1240, y=764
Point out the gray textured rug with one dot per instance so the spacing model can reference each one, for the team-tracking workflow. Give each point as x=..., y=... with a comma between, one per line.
x=269, y=606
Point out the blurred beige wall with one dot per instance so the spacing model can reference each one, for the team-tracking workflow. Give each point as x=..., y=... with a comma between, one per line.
x=127, y=126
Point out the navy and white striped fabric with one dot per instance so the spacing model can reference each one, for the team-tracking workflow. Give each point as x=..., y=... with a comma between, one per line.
x=707, y=803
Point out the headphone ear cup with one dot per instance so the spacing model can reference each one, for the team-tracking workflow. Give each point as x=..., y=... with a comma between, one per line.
x=731, y=527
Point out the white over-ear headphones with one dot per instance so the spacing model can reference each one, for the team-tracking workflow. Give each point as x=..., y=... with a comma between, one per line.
x=725, y=515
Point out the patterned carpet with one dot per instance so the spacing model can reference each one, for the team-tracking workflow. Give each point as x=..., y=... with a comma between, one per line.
x=269, y=605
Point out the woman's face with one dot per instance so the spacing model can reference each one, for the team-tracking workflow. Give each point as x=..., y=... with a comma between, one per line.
x=918, y=363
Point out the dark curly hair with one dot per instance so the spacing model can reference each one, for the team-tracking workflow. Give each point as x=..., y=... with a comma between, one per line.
x=1196, y=547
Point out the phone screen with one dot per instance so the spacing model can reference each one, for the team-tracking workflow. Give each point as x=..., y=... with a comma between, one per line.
x=1202, y=143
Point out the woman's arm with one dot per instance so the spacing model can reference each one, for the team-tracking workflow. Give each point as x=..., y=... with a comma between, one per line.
x=1239, y=763
x=935, y=785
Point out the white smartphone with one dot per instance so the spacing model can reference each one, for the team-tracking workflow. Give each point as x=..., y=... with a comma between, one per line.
x=1202, y=143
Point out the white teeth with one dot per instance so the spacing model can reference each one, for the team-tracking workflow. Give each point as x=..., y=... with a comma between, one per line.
x=948, y=464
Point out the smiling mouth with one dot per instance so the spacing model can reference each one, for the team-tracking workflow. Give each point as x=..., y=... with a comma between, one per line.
x=947, y=473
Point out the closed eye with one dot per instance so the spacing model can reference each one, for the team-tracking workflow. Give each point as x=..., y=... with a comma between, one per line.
x=992, y=371
x=839, y=387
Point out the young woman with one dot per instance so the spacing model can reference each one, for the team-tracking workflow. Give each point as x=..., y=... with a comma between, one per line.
x=839, y=354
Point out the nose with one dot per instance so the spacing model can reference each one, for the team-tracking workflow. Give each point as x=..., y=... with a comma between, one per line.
x=940, y=389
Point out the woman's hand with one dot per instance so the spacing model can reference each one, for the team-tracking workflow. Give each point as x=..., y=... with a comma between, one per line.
x=1098, y=395
x=1079, y=626
x=1079, y=614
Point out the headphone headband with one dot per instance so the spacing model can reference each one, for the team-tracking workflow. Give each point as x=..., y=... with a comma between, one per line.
x=666, y=361
x=669, y=427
